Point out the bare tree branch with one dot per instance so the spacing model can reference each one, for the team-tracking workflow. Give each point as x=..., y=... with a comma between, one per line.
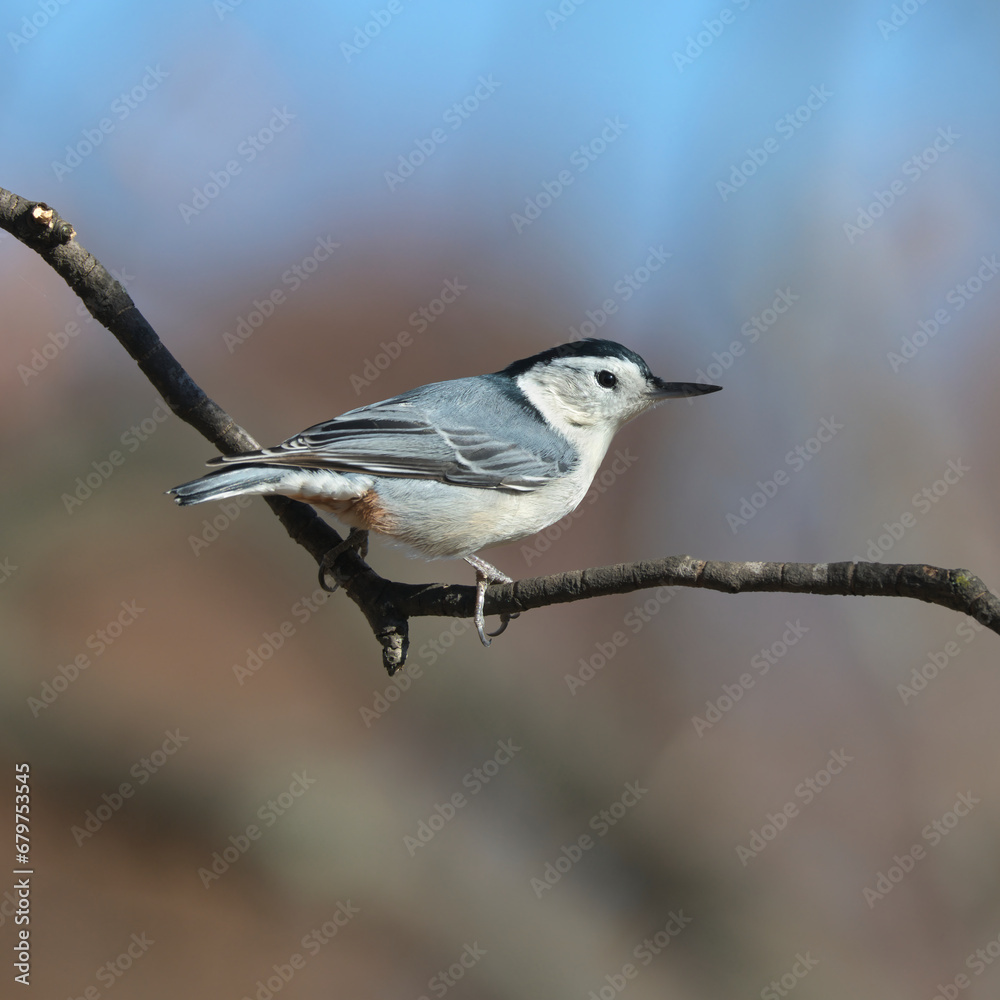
x=387, y=605
x=957, y=589
x=41, y=228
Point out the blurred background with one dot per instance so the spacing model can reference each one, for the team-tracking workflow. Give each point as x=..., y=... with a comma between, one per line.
x=679, y=794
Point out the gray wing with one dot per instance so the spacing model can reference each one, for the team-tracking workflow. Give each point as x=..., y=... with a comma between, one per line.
x=469, y=432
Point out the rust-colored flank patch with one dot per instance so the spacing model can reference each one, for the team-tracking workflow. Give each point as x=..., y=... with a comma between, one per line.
x=364, y=511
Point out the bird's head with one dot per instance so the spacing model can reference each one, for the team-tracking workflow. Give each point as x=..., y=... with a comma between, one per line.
x=596, y=384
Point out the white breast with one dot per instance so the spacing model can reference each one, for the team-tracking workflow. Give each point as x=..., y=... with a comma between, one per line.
x=446, y=521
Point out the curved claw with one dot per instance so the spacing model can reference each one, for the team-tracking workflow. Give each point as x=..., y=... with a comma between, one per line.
x=325, y=567
x=357, y=539
x=505, y=620
x=485, y=574
x=479, y=618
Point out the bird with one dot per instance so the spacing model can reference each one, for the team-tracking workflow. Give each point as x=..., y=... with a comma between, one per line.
x=450, y=468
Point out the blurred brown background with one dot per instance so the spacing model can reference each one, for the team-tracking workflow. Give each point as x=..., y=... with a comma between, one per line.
x=744, y=832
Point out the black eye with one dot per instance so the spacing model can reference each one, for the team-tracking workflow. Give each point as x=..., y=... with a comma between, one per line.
x=606, y=379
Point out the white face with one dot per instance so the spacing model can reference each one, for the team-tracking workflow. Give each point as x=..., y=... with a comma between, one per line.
x=578, y=392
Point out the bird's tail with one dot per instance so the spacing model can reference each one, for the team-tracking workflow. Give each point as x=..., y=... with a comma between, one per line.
x=230, y=483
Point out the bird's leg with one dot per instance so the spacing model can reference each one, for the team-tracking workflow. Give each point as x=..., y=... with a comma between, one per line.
x=357, y=539
x=485, y=575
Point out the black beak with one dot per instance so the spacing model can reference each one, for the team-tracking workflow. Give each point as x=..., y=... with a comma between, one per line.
x=658, y=389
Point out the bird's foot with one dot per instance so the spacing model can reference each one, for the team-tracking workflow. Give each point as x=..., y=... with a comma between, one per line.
x=485, y=575
x=357, y=539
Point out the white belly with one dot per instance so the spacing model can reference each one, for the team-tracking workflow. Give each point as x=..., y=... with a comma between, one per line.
x=442, y=521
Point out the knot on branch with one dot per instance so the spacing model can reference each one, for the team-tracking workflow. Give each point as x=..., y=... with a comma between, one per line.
x=43, y=228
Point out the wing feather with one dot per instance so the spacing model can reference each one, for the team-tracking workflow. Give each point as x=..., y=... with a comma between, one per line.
x=468, y=432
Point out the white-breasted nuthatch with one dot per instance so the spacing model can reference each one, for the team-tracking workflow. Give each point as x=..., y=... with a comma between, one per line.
x=454, y=467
